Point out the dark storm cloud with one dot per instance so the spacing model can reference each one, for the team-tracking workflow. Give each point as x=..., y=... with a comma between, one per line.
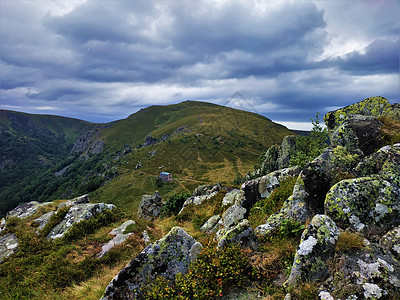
x=106, y=59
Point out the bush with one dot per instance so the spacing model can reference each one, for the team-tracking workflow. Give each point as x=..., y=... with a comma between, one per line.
x=173, y=204
x=309, y=147
x=266, y=207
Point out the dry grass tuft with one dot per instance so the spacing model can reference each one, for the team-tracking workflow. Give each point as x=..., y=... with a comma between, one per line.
x=349, y=241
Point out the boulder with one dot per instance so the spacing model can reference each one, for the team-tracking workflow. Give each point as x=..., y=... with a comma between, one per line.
x=77, y=200
x=119, y=238
x=26, y=210
x=8, y=245
x=211, y=224
x=150, y=207
x=368, y=273
x=370, y=205
x=43, y=219
x=374, y=106
x=251, y=194
x=271, y=181
x=233, y=215
x=233, y=196
x=317, y=247
x=242, y=234
x=166, y=257
x=149, y=140
x=76, y=214
x=391, y=242
x=359, y=133
x=196, y=200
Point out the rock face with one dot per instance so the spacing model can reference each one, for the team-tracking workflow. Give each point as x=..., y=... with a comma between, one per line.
x=150, y=141
x=271, y=181
x=167, y=257
x=317, y=247
x=78, y=213
x=26, y=210
x=119, y=237
x=88, y=142
x=8, y=245
x=150, y=207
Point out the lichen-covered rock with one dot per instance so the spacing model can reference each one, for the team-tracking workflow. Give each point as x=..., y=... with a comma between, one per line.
x=242, y=234
x=367, y=273
x=391, y=242
x=233, y=215
x=196, y=200
x=373, y=106
x=150, y=207
x=119, y=238
x=8, y=245
x=359, y=133
x=76, y=214
x=271, y=181
x=211, y=224
x=385, y=161
x=251, y=194
x=26, y=210
x=2, y=224
x=317, y=247
x=78, y=200
x=166, y=257
x=311, y=187
x=366, y=204
x=43, y=219
x=232, y=197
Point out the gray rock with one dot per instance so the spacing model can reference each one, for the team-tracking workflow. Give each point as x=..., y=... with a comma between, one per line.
x=242, y=234
x=77, y=200
x=150, y=207
x=391, y=242
x=233, y=196
x=150, y=141
x=44, y=219
x=196, y=200
x=76, y=214
x=368, y=273
x=317, y=247
x=146, y=237
x=8, y=245
x=366, y=204
x=2, y=224
x=210, y=224
x=26, y=210
x=374, y=106
x=359, y=133
x=233, y=215
x=271, y=181
x=166, y=257
x=120, y=237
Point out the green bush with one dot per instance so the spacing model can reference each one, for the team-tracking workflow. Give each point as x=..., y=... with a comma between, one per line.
x=266, y=207
x=309, y=147
x=173, y=204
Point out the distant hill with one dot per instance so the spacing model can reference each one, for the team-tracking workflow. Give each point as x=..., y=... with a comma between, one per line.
x=48, y=157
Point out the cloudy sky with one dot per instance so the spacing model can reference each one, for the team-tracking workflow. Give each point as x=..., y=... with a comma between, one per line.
x=101, y=60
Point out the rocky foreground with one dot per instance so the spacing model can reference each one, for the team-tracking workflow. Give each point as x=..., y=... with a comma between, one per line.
x=352, y=187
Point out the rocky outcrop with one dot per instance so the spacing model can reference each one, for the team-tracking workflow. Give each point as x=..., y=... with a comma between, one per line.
x=271, y=181
x=150, y=207
x=8, y=245
x=88, y=142
x=166, y=257
x=211, y=225
x=276, y=157
x=200, y=194
x=76, y=214
x=241, y=234
x=120, y=236
x=317, y=247
x=26, y=210
x=78, y=200
x=149, y=140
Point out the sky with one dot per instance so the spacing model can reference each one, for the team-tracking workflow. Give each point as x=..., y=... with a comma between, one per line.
x=102, y=60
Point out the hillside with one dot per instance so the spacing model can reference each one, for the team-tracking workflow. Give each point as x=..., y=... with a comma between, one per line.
x=196, y=141
x=30, y=145
x=325, y=230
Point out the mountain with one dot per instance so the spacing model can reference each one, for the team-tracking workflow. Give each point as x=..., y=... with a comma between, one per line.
x=48, y=157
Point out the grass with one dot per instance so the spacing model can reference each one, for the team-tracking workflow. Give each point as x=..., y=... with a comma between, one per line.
x=348, y=241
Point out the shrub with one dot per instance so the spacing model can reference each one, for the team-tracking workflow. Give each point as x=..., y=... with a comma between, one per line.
x=266, y=207
x=309, y=147
x=173, y=204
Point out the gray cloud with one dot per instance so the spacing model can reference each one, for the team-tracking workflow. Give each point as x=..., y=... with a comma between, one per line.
x=288, y=58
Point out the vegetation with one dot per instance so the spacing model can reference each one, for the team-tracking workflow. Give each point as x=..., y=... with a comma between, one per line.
x=309, y=147
x=173, y=204
x=267, y=206
x=348, y=241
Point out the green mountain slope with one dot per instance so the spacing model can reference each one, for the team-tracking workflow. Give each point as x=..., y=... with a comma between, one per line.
x=30, y=145
x=198, y=142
